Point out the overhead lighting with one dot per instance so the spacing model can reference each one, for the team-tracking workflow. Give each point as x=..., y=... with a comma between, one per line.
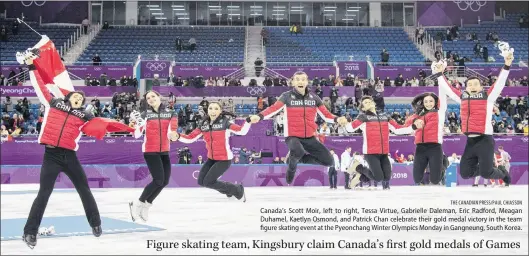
x=219, y=14
x=278, y=14
x=330, y=7
x=234, y=14
x=233, y=7
x=348, y=19
x=153, y=5
x=355, y=7
x=155, y=9
x=160, y=18
x=256, y=7
x=353, y=10
x=214, y=6
x=296, y=10
x=157, y=13
x=329, y=10
x=256, y=14
x=328, y=15
x=179, y=9
x=183, y=18
x=215, y=10
x=176, y=6
x=279, y=7
x=296, y=7
x=350, y=15
x=181, y=13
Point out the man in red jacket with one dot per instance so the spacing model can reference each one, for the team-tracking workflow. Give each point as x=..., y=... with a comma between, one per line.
x=301, y=107
x=476, y=117
x=63, y=123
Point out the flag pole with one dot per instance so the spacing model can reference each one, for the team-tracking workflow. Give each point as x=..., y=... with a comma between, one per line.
x=23, y=22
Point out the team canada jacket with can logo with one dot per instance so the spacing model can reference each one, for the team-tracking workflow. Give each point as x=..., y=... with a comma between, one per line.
x=61, y=124
x=434, y=119
x=216, y=136
x=158, y=127
x=476, y=110
x=375, y=130
x=300, y=113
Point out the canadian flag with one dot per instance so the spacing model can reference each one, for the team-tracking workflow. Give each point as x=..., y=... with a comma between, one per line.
x=53, y=71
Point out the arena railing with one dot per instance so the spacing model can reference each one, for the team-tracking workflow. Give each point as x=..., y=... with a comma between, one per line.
x=110, y=63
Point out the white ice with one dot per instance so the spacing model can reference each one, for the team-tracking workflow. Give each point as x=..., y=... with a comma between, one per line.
x=203, y=214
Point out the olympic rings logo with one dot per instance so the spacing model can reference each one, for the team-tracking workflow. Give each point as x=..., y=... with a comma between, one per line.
x=525, y=139
x=470, y=4
x=156, y=66
x=98, y=69
x=37, y=3
x=209, y=69
x=110, y=141
x=193, y=174
x=257, y=90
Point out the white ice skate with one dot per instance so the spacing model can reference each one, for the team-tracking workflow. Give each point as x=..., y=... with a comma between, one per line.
x=135, y=208
x=144, y=213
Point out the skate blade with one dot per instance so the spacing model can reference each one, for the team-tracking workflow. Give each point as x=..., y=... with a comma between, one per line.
x=29, y=245
x=130, y=210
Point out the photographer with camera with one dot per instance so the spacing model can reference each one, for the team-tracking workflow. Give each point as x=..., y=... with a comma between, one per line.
x=184, y=156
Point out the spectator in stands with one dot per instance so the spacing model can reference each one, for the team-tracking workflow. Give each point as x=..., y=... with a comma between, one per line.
x=14, y=27
x=268, y=82
x=179, y=81
x=103, y=79
x=96, y=60
x=243, y=156
x=294, y=29
x=85, y=23
x=199, y=160
x=179, y=44
x=8, y=104
x=387, y=81
x=477, y=50
x=3, y=33
x=220, y=82
x=277, y=160
x=521, y=21
x=419, y=34
x=258, y=67
x=155, y=81
x=192, y=44
x=264, y=35
x=4, y=133
x=384, y=57
x=399, y=81
x=3, y=80
x=106, y=25
x=524, y=81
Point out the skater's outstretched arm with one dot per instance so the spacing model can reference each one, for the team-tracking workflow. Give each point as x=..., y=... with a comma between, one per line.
x=239, y=130
x=173, y=126
x=43, y=93
x=444, y=86
x=496, y=88
x=190, y=138
x=399, y=129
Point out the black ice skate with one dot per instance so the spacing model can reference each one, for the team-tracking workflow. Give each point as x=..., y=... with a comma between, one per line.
x=228, y=195
x=385, y=184
x=30, y=240
x=474, y=185
x=290, y=176
x=241, y=195
x=97, y=231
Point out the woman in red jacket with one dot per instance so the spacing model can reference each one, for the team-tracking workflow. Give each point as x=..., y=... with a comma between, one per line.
x=159, y=125
x=375, y=130
x=430, y=111
x=216, y=129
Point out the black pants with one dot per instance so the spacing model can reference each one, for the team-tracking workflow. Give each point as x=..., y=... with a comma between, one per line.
x=478, y=159
x=379, y=167
x=347, y=178
x=333, y=177
x=210, y=173
x=307, y=151
x=160, y=169
x=428, y=154
x=55, y=160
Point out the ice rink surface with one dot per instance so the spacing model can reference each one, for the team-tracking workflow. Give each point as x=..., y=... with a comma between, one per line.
x=202, y=214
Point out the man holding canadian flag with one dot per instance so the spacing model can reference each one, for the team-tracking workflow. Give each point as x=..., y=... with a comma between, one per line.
x=65, y=119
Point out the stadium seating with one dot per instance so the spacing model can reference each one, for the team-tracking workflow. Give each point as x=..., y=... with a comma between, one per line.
x=507, y=30
x=124, y=44
x=322, y=44
x=27, y=38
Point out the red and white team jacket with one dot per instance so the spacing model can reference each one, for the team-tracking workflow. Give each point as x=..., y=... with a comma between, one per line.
x=158, y=127
x=61, y=124
x=216, y=136
x=476, y=111
x=432, y=131
x=300, y=113
x=375, y=130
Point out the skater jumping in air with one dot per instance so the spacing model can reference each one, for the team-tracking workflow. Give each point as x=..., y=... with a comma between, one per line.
x=476, y=108
x=375, y=130
x=159, y=125
x=301, y=108
x=216, y=129
x=64, y=122
x=431, y=110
